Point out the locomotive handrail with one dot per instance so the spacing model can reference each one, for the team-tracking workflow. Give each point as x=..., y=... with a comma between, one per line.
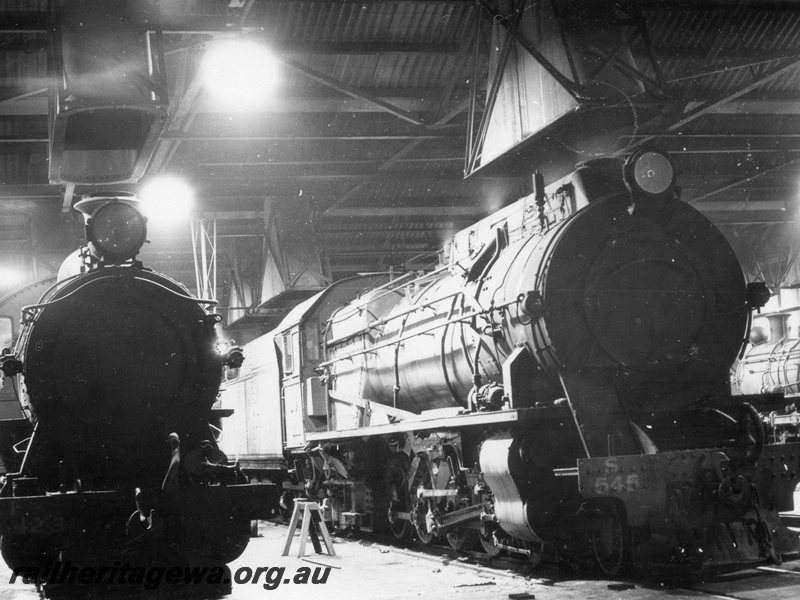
x=57, y=284
x=209, y=301
x=18, y=449
x=389, y=284
x=355, y=307
x=465, y=317
x=30, y=308
x=384, y=320
x=438, y=271
x=396, y=366
x=442, y=350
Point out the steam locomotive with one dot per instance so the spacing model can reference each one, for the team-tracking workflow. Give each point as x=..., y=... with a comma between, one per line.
x=559, y=385
x=117, y=368
x=772, y=365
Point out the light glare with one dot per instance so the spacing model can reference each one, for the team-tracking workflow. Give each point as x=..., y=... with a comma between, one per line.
x=167, y=199
x=9, y=277
x=239, y=74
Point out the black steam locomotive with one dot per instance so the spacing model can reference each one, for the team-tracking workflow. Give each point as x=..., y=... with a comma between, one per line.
x=560, y=384
x=117, y=369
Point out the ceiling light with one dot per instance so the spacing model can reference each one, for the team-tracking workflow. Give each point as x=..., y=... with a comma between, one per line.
x=239, y=74
x=167, y=199
x=10, y=276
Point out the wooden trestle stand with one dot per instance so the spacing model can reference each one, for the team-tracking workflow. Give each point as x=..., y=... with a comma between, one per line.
x=313, y=526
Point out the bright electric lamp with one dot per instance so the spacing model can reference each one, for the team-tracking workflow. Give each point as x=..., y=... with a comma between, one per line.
x=167, y=199
x=9, y=277
x=239, y=74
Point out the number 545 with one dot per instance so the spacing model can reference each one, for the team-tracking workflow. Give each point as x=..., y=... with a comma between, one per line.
x=618, y=483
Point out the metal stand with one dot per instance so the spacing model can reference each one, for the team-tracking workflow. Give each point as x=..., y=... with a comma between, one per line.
x=312, y=516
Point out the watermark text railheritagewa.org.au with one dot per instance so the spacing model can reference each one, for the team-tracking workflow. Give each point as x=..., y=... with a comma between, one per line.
x=151, y=578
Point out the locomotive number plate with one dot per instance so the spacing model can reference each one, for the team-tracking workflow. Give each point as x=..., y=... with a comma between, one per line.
x=617, y=483
x=613, y=475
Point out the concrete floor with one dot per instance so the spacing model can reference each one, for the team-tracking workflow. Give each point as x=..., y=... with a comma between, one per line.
x=363, y=569
x=360, y=569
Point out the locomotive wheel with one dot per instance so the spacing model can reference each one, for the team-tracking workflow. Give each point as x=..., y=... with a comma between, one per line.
x=397, y=491
x=401, y=528
x=609, y=538
x=487, y=539
x=234, y=541
x=422, y=514
x=25, y=552
x=423, y=510
x=462, y=539
x=221, y=541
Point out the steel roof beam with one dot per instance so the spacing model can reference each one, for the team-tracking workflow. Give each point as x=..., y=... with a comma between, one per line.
x=340, y=86
x=311, y=162
x=20, y=21
x=293, y=46
x=194, y=137
x=721, y=5
x=742, y=206
x=30, y=191
x=367, y=212
x=400, y=155
x=708, y=106
x=687, y=116
x=382, y=227
x=180, y=119
x=738, y=181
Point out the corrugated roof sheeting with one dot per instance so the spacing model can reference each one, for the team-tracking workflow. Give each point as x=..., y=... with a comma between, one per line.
x=23, y=5
x=406, y=53
x=710, y=79
x=345, y=124
x=14, y=168
x=17, y=66
x=386, y=70
x=19, y=160
x=724, y=50
x=319, y=151
x=391, y=233
x=402, y=191
x=758, y=31
x=743, y=125
x=370, y=21
x=694, y=31
x=669, y=28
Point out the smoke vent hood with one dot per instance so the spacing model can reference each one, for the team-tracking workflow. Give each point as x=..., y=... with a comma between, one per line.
x=108, y=102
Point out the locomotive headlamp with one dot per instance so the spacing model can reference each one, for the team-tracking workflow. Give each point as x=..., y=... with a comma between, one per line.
x=115, y=228
x=118, y=231
x=649, y=172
